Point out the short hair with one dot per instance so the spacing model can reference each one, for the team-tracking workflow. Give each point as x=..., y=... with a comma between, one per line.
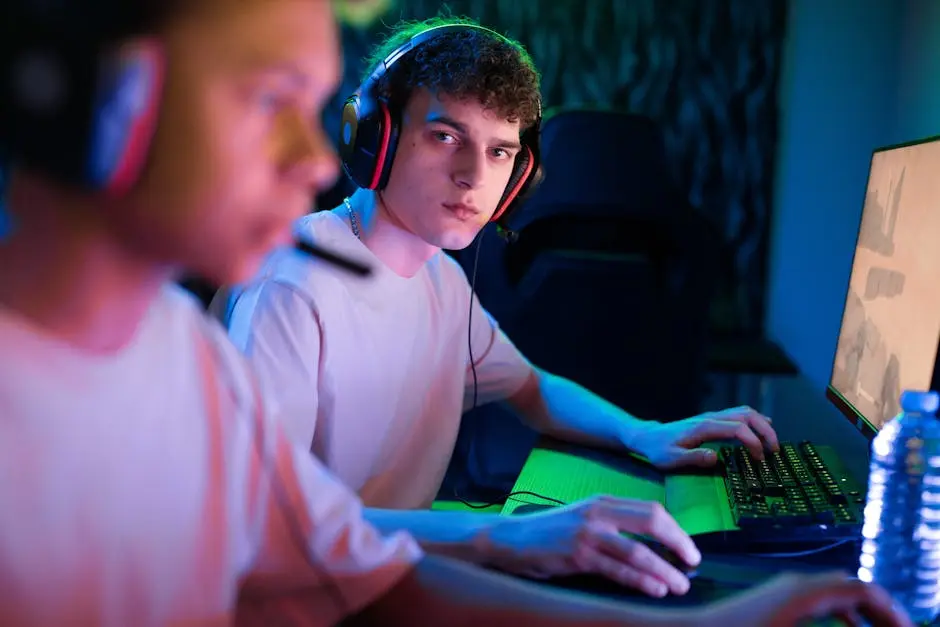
x=472, y=64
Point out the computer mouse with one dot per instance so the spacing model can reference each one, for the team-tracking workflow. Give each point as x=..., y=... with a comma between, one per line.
x=600, y=585
x=670, y=557
x=664, y=552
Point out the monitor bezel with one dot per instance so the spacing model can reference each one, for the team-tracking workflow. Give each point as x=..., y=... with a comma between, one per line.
x=864, y=426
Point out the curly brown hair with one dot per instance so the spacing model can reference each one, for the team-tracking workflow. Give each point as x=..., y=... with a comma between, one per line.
x=470, y=64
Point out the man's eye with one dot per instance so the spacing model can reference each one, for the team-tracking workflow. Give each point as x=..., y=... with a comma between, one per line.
x=444, y=138
x=269, y=101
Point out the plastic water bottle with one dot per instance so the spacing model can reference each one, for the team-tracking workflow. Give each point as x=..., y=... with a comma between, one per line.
x=901, y=532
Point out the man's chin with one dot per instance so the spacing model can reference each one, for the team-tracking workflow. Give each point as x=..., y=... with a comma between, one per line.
x=457, y=240
x=246, y=266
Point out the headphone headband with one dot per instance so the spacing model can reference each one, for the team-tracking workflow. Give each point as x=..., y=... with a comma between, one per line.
x=370, y=83
x=371, y=125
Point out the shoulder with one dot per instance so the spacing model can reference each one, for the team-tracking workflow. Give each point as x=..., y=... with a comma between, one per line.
x=306, y=275
x=232, y=367
x=182, y=310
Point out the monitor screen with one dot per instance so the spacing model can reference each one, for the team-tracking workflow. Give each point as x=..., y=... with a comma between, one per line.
x=891, y=321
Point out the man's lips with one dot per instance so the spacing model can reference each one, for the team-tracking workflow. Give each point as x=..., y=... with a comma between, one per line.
x=461, y=210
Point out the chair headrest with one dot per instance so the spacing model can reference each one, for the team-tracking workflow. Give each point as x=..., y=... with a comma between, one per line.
x=602, y=159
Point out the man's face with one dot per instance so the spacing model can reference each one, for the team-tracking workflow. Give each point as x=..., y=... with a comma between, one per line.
x=239, y=149
x=453, y=163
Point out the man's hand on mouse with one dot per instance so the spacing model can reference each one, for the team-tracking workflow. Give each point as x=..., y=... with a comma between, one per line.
x=588, y=538
x=678, y=444
x=791, y=600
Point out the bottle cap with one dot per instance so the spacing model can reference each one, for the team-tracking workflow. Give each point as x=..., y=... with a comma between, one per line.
x=920, y=402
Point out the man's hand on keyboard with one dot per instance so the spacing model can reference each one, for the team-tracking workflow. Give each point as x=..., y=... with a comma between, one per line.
x=588, y=538
x=678, y=444
x=792, y=600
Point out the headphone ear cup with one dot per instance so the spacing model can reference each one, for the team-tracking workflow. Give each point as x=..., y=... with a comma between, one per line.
x=125, y=116
x=367, y=142
x=522, y=175
x=355, y=132
x=535, y=179
x=83, y=120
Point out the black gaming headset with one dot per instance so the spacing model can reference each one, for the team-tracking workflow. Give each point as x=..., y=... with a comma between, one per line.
x=78, y=112
x=371, y=125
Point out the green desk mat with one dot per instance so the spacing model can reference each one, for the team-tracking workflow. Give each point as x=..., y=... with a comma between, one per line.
x=570, y=473
x=459, y=506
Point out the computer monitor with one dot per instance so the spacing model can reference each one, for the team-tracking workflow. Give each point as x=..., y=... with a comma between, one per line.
x=890, y=332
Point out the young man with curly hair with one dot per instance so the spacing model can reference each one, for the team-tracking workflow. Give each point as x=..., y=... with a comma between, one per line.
x=373, y=376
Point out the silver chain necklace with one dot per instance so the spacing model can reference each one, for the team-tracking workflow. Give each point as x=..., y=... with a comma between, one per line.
x=353, y=220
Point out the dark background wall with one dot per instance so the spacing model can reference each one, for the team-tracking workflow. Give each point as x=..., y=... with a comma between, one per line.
x=706, y=70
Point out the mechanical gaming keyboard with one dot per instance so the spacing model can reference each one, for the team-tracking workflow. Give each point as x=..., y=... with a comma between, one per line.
x=799, y=496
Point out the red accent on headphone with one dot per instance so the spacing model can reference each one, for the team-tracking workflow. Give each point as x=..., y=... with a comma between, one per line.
x=128, y=170
x=511, y=194
x=383, y=146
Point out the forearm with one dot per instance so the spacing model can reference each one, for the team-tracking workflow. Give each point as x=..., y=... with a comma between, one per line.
x=443, y=592
x=568, y=411
x=459, y=535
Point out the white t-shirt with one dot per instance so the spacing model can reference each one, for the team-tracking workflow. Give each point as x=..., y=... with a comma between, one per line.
x=372, y=374
x=142, y=489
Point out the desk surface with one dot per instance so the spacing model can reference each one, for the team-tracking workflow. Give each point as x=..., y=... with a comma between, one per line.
x=720, y=575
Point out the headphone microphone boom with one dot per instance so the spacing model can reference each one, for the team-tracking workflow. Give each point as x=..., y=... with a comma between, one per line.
x=345, y=263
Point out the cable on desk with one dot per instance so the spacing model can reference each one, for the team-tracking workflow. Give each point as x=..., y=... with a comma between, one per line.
x=821, y=549
x=508, y=496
